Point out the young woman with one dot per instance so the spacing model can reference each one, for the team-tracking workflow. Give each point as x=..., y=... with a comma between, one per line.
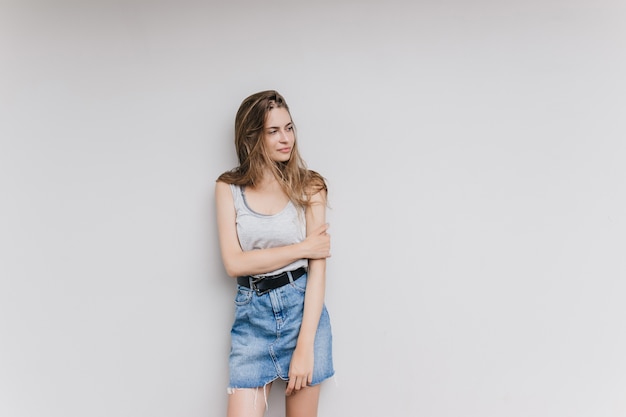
x=271, y=216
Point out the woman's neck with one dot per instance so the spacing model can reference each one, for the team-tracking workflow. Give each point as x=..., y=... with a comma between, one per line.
x=267, y=182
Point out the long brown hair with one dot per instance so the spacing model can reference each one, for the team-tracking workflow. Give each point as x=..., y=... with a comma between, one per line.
x=298, y=182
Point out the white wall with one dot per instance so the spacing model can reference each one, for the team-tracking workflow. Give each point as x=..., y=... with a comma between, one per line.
x=475, y=154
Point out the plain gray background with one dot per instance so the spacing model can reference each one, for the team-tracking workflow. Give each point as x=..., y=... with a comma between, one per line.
x=475, y=156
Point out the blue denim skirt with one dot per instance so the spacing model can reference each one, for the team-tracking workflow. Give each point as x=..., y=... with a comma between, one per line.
x=264, y=335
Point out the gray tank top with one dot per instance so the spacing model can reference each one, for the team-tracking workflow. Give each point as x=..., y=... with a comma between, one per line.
x=262, y=231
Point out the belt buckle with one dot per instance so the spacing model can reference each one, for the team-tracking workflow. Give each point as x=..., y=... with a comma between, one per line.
x=258, y=291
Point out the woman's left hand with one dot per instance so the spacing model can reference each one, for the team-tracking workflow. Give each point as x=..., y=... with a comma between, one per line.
x=300, y=369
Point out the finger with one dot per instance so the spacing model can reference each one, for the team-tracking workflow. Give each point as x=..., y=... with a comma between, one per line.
x=290, y=386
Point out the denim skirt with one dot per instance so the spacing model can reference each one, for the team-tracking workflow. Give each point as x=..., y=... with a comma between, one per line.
x=265, y=332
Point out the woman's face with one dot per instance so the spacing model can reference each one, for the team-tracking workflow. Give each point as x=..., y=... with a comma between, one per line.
x=278, y=134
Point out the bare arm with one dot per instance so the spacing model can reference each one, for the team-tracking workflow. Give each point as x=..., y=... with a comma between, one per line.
x=301, y=367
x=238, y=262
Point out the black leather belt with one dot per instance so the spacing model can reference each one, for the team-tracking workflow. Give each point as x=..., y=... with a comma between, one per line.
x=264, y=284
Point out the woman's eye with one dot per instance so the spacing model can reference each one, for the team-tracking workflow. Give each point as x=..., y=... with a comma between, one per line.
x=290, y=128
x=271, y=132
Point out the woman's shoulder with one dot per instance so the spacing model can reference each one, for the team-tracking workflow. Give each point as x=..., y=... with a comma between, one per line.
x=315, y=182
x=224, y=188
x=222, y=184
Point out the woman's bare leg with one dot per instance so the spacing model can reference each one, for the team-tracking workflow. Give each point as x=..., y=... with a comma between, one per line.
x=303, y=403
x=248, y=402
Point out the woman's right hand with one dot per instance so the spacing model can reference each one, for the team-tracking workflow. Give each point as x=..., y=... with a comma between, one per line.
x=317, y=244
